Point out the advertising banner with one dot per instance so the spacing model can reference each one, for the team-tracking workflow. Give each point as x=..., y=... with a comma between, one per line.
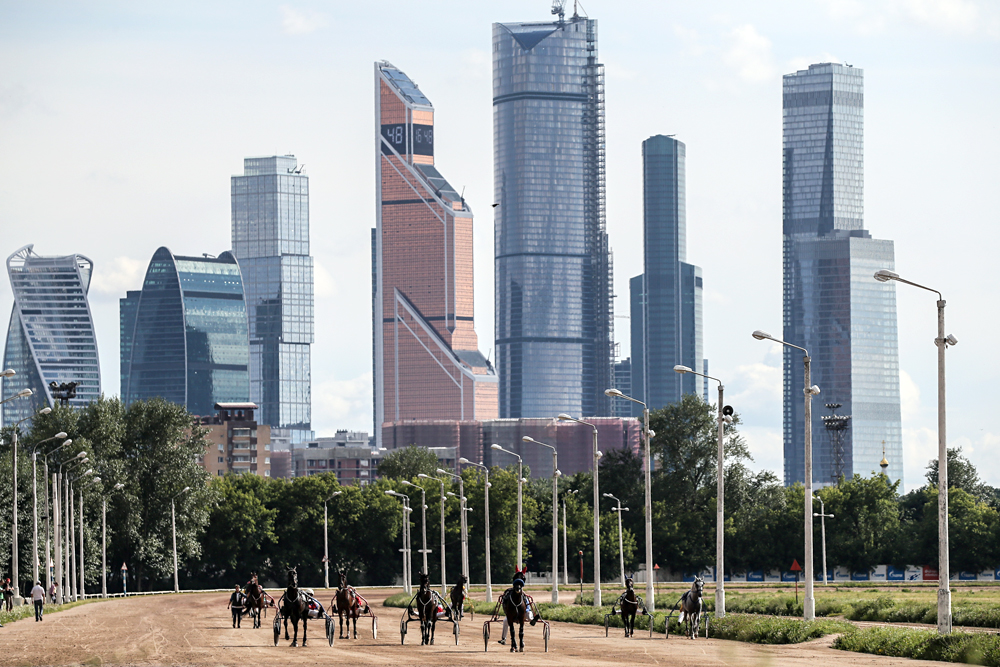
x=929, y=573
x=788, y=576
x=773, y=575
x=755, y=576
x=860, y=576
x=880, y=573
x=968, y=576
x=914, y=573
x=986, y=575
x=842, y=574
x=893, y=574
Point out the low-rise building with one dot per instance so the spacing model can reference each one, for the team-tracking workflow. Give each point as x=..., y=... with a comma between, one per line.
x=237, y=444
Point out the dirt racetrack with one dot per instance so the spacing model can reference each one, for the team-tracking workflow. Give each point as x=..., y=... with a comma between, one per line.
x=196, y=629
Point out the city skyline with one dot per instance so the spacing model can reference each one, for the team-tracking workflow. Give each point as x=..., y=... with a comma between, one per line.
x=716, y=58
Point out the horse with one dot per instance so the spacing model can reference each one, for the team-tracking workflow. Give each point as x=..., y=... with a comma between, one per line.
x=296, y=606
x=515, y=609
x=427, y=605
x=458, y=597
x=691, y=605
x=629, y=603
x=347, y=604
x=255, y=602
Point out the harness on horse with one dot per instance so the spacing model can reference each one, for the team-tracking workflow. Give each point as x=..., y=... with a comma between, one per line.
x=624, y=598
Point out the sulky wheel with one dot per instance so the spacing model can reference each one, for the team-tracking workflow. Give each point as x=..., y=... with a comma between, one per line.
x=374, y=627
x=545, y=635
x=457, y=630
x=402, y=631
x=329, y=630
x=277, y=628
x=486, y=636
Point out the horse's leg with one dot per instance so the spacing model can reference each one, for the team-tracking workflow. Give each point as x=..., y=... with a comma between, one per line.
x=520, y=635
x=305, y=625
x=513, y=639
x=295, y=630
x=355, y=623
x=433, y=627
x=286, y=628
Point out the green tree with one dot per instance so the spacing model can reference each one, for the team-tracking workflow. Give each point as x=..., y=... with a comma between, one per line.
x=407, y=463
x=962, y=474
x=973, y=527
x=866, y=530
x=240, y=533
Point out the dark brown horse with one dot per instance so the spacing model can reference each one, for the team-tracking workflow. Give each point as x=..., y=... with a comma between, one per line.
x=427, y=610
x=515, y=608
x=629, y=603
x=346, y=604
x=458, y=596
x=255, y=602
x=295, y=606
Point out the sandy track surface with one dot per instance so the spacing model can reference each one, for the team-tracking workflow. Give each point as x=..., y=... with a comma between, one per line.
x=196, y=630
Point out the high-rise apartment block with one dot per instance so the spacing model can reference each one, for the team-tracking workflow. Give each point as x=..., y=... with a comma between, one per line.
x=427, y=360
x=187, y=333
x=832, y=306
x=554, y=311
x=270, y=206
x=666, y=299
x=50, y=338
x=236, y=443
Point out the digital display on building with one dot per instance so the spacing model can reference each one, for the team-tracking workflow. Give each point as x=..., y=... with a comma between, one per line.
x=423, y=138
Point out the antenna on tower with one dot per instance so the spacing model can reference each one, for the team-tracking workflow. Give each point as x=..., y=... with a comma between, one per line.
x=559, y=9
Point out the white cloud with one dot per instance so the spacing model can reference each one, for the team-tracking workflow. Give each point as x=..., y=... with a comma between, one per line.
x=300, y=22
x=690, y=39
x=750, y=54
x=342, y=404
x=476, y=64
x=954, y=15
x=909, y=397
x=868, y=18
x=124, y=274
x=323, y=282
x=919, y=447
x=759, y=386
x=767, y=448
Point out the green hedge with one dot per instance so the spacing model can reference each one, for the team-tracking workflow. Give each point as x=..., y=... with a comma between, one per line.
x=971, y=648
x=28, y=611
x=885, y=609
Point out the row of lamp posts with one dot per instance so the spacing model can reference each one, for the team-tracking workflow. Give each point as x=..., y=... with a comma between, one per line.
x=942, y=341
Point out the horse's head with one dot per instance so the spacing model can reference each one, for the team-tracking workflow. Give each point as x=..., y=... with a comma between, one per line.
x=425, y=582
x=462, y=580
x=343, y=579
x=293, y=578
x=698, y=587
x=628, y=583
x=518, y=584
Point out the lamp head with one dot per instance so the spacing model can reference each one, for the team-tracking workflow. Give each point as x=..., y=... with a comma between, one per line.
x=119, y=485
x=830, y=515
x=90, y=471
x=390, y=493
x=607, y=495
x=682, y=369
x=558, y=473
x=9, y=373
x=464, y=461
x=760, y=335
x=442, y=471
x=186, y=489
x=612, y=392
x=25, y=392
x=96, y=480
x=449, y=493
x=423, y=476
x=951, y=340
x=408, y=483
x=81, y=455
x=524, y=480
x=813, y=390
x=527, y=438
x=496, y=446
x=564, y=417
x=46, y=410
x=885, y=276
x=599, y=453
x=60, y=434
x=652, y=433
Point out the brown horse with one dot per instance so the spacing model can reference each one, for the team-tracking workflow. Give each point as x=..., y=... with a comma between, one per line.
x=458, y=596
x=515, y=608
x=255, y=602
x=427, y=610
x=295, y=606
x=346, y=603
x=629, y=603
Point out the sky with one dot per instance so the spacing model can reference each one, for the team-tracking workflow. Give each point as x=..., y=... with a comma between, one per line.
x=121, y=124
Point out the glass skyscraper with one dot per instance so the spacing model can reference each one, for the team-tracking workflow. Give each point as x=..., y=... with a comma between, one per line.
x=554, y=311
x=427, y=360
x=51, y=333
x=832, y=305
x=188, y=338
x=667, y=298
x=270, y=204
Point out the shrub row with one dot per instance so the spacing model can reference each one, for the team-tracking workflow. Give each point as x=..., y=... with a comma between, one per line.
x=28, y=611
x=885, y=609
x=971, y=648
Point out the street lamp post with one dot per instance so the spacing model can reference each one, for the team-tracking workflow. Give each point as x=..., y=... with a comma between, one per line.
x=555, y=517
x=463, y=524
x=173, y=528
x=48, y=511
x=70, y=550
x=326, y=540
x=808, y=391
x=520, y=534
x=720, y=497
x=81, y=587
x=597, y=509
x=423, y=522
x=486, y=520
x=621, y=545
x=60, y=486
x=13, y=459
x=823, y=516
x=944, y=568
x=104, y=540
x=406, y=538
x=565, y=551
x=34, y=497
x=647, y=434
x=444, y=578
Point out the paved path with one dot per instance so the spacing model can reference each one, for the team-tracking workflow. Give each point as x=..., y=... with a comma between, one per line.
x=196, y=630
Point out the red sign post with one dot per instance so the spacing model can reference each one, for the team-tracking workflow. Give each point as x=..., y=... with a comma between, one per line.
x=796, y=568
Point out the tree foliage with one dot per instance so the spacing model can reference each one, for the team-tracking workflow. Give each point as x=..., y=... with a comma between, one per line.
x=407, y=463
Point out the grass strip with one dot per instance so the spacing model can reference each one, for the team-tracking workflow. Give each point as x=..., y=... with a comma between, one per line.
x=28, y=611
x=756, y=629
x=964, y=647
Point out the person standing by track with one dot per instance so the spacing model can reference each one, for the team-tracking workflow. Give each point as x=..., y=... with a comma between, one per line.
x=38, y=599
x=236, y=601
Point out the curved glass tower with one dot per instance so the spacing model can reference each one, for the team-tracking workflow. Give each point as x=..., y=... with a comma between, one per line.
x=51, y=334
x=553, y=268
x=189, y=338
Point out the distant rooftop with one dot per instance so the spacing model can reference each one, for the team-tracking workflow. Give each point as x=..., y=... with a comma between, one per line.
x=404, y=85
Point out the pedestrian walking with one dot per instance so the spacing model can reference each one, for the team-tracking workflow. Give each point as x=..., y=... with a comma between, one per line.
x=38, y=599
x=8, y=595
x=236, y=604
x=52, y=592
